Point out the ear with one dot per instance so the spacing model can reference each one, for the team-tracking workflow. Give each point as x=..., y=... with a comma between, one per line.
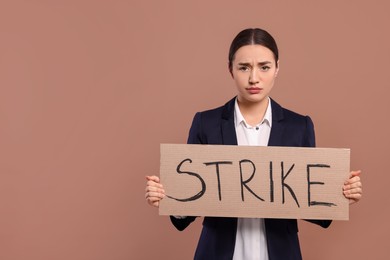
x=230, y=71
x=277, y=68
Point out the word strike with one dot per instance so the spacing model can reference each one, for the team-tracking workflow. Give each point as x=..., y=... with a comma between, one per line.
x=284, y=171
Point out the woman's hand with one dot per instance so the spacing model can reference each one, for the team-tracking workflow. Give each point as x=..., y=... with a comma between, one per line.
x=154, y=191
x=352, y=188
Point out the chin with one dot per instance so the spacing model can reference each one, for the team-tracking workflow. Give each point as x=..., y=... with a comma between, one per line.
x=256, y=99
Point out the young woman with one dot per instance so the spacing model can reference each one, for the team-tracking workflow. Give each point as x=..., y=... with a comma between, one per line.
x=251, y=118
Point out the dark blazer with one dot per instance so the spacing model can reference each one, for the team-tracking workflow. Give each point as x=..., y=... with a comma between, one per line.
x=218, y=235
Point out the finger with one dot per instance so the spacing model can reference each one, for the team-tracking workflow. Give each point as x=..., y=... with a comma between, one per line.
x=153, y=178
x=354, y=179
x=154, y=203
x=353, y=174
x=353, y=191
x=154, y=184
x=355, y=196
x=153, y=200
x=154, y=189
x=353, y=185
x=154, y=195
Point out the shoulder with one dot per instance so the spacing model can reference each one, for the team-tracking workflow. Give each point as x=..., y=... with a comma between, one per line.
x=206, y=125
x=280, y=113
x=297, y=129
x=214, y=115
x=228, y=107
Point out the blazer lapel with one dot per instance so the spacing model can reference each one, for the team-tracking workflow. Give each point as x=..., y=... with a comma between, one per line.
x=276, y=135
x=227, y=128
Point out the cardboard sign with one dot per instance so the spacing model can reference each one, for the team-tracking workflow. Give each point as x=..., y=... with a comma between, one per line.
x=254, y=181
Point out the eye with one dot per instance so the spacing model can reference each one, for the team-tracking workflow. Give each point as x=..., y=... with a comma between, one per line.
x=243, y=68
x=265, y=68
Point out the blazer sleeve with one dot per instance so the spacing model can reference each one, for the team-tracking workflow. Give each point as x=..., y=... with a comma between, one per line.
x=194, y=137
x=195, y=134
x=310, y=142
x=310, y=139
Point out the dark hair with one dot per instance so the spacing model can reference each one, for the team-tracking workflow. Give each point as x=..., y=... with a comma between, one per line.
x=253, y=36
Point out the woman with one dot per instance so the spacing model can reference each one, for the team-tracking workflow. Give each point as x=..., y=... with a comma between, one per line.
x=251, y=118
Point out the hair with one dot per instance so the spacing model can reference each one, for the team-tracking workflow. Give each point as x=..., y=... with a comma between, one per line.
x=253, y=36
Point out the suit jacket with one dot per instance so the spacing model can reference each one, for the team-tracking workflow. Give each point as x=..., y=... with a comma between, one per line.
x=218, y=235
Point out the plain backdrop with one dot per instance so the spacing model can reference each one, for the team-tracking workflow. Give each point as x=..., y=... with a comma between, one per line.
x=89, y=90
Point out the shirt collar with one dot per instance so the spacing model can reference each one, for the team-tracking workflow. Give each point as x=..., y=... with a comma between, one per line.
x=239, y=118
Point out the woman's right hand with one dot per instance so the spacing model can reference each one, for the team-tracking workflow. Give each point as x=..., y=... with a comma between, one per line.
x=154, y=191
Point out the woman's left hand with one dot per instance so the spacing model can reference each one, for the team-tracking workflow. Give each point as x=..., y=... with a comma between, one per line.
x=352, y=188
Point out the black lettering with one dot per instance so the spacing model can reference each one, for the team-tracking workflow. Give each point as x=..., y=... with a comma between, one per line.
x=244, y=183
x=284, y=185
x=309, y=183
x=200, y=193
x=271, y=183
x=217, y=171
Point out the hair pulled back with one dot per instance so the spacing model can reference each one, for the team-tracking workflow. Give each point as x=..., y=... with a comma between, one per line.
x=253, y=36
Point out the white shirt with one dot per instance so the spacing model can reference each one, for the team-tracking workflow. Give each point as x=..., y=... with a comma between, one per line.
x=251, y=241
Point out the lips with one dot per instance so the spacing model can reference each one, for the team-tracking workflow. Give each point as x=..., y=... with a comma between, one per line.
x=254, y=90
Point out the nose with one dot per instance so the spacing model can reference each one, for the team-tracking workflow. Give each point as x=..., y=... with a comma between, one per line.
x=254, y=77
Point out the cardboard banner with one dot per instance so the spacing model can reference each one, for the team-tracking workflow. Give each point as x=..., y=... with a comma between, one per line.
x=254, y=181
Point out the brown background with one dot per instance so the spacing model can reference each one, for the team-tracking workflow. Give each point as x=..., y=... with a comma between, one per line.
x=89, y=89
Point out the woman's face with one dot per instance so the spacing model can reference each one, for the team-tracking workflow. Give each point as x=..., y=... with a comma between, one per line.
x=254, y=71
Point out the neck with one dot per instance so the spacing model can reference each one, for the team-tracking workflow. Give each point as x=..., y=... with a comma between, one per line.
x=253, y=112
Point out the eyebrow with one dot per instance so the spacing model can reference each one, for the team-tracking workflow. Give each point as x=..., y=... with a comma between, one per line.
x=259, y=63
